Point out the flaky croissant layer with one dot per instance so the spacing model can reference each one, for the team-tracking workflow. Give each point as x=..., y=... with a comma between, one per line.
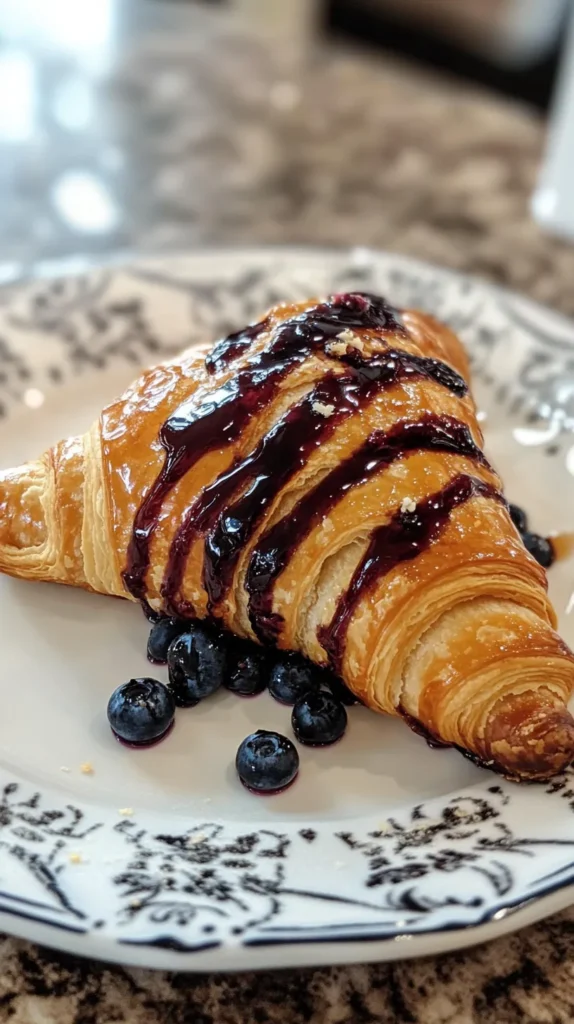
x=317, y=483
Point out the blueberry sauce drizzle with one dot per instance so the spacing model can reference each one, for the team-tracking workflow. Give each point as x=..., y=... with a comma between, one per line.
x=277, y=456
x=312, y=327
x=229, y=348
x=218, y=418
x=274, y=549
x=402, y=539
x=196, y=428
x=281, y=453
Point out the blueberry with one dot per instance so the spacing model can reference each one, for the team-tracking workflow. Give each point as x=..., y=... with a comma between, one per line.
x=318, y=719
x=291, y=677
x=162, y=634
x=266, y=761
x=141, y=711
x=519, y=518
x=197, y=661
x=247, y=670
x=541, y=548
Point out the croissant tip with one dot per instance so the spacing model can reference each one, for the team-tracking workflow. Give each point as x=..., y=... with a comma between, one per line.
x=534, y=747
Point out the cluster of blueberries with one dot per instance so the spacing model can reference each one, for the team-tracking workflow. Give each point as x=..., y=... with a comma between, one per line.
x=540, y=547
x=200, y=660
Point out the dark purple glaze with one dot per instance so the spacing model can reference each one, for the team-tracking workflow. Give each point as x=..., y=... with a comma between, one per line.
x=283, y=451
x=224, y=351
x=400, y=540
x=310, y=330
x=278, y=456
x=360, y=310
x=197, y=519
x=273, y=550
x=216, y=419
x=196, y=428
x=290, y=440
x=354, y=310
x=396, y=365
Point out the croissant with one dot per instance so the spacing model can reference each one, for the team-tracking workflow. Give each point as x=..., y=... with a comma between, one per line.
x=317, y=482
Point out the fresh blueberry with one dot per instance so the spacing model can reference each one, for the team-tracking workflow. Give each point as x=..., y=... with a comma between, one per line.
x=318, y=719
x=541, y=548
x=197, y=662
x=163, y=633
x=141, y=711
x=266, y=761
x=291, y=677
x=519, y=518
x=247, y=670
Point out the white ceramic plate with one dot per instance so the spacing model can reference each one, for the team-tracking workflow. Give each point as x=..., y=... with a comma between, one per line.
x=384, y=848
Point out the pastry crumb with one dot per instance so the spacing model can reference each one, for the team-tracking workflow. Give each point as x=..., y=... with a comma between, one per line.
x=126, y=812
x=64, y=768
x=324, y=409
x=408, y=505
x=350, y=338
x=336, y=348
x=75, y=858
x=135, y=904
x=87, y=768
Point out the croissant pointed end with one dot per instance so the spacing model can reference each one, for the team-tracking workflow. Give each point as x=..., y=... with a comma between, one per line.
x=22, y=522
x=529, y=740
x=41, y=515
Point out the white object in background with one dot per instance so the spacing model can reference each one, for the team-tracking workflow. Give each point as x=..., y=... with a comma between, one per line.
x=553, y=201
x=530, y=28
x=513, y=33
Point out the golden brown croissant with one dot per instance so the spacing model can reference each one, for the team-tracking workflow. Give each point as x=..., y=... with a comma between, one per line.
x=317, y=482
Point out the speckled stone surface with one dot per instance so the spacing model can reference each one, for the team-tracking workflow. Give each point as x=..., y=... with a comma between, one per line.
x=524, y=978
x=182, y=135
x=342, y=150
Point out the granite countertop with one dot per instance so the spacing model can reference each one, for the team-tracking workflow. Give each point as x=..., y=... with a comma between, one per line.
x=155, y=145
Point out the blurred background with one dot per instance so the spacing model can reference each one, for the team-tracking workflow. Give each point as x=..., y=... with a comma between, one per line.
x=138, y=126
